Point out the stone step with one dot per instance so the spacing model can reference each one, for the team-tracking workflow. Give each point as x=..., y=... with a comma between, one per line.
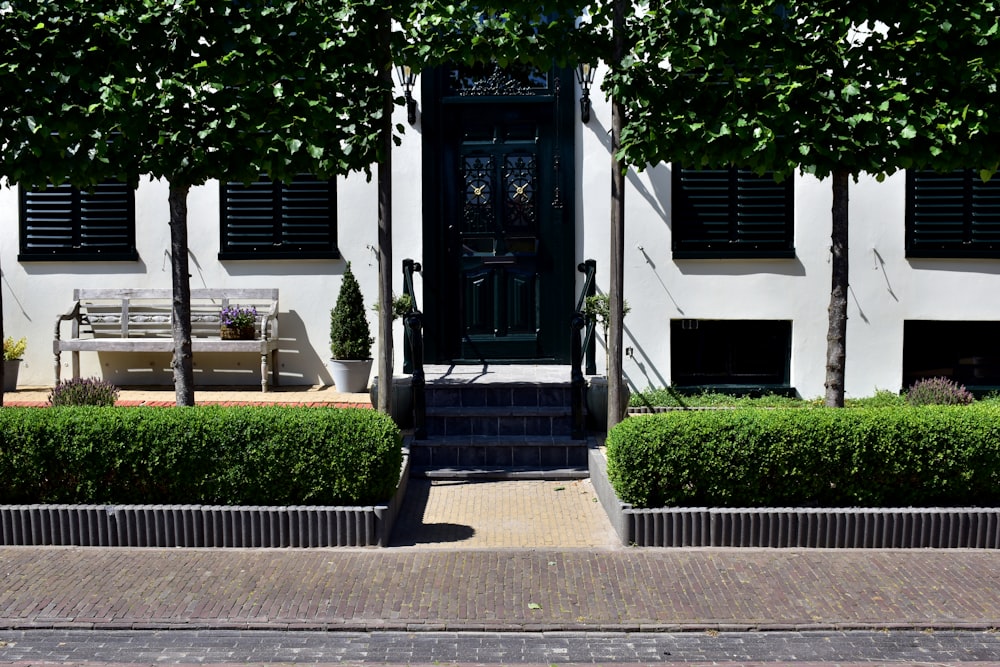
x=449, y=395
x=496, y=452
x=499, y=421
x=483, y=472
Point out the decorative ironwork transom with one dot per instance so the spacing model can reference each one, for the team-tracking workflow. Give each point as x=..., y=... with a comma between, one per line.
x=483, y=80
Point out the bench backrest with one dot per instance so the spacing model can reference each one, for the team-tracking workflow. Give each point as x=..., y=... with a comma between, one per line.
x=146, y=312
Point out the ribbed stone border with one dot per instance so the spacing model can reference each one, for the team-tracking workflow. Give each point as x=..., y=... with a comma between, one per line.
x=201, y=525
x=848, y=528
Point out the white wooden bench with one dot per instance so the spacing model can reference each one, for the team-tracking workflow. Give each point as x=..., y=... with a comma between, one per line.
x=138, y=320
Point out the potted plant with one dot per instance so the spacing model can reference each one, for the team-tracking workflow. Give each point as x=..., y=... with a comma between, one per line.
x=237, y=322
x=597, y=309
x=350, y=338
x=13, y=352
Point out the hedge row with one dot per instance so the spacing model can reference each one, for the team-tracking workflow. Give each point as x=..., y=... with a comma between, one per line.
x=888, y=457
x=201, y=455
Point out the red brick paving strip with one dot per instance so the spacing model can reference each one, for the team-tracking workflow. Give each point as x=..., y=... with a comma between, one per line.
x=498, y=589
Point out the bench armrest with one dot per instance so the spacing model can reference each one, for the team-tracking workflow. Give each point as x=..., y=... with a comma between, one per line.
x=71, y=314
x=269, y=325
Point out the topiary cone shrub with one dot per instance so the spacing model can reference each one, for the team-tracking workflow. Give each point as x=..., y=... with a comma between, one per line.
x=350, y=337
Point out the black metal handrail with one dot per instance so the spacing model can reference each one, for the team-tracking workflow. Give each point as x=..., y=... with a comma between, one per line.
x=413, y=350
x=582, y=345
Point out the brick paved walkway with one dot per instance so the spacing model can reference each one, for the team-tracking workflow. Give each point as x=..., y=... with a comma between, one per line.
x=498, y=589
x=456, y=514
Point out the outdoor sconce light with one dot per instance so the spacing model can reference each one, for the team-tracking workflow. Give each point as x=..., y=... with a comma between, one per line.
x=585, y=75
x=407, y=77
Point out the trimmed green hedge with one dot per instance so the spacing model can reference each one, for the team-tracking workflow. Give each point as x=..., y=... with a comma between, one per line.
x=857, y=457
x=201, y=455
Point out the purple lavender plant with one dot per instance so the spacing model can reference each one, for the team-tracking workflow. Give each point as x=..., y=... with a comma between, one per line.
x=83, y=391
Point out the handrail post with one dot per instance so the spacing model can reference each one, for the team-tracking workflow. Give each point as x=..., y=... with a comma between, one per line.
x=578, y=386
x=578, y=348
x=413, y=352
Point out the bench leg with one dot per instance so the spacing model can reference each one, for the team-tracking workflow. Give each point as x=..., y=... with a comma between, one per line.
x=58, y=367
x=263, y=372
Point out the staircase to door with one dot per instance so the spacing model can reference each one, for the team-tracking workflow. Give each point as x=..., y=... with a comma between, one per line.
x=498, y=422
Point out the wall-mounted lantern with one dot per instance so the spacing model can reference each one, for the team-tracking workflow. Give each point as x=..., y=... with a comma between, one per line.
x=585, y=76
x=407, y=77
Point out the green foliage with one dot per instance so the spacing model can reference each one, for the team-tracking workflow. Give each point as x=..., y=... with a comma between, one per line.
x=673, y=397
x=14, y=349
x=821, y=457
x=205, y=455
x=938, y=391
x=812, y=86
x=883, y=398
x=83, y=391
x=189, y=90
x=350, y=336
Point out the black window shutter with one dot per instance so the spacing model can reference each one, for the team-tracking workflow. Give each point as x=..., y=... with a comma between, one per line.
x=62, y=222
x=731, y=213
x=268, y=219
x=952, y=214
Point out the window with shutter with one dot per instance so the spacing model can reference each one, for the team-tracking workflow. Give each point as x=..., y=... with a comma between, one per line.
x=731, y=213
x=739, y=355
x=65, y=223
x=273, y=220
x=952, y=214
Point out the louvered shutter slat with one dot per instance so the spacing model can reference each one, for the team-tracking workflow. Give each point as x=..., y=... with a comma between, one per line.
x=269, y=219
x=61, y=222
x=731, y=212
x=952, y=214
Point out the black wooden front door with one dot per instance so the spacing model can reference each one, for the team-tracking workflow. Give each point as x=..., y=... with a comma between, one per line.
x=499, y=224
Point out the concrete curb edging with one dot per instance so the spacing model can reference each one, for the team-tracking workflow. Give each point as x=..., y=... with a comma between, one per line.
x=202, y=525
x=792, y=527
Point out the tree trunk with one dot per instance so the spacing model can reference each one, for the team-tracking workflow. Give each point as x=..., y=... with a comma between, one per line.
x=385, y=227
x=617, y=277
x=836, y=337
x=180, y=314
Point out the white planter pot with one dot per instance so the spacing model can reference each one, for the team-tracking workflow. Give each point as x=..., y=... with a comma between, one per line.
x=351, y=375
x=10, y=374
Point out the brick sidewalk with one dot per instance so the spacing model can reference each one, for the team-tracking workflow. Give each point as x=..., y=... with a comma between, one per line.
x=498, y=589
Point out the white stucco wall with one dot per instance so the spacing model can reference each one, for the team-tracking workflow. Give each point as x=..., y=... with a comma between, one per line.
x=886, y=288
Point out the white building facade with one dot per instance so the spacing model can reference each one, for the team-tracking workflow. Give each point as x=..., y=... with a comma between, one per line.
x=500, y=191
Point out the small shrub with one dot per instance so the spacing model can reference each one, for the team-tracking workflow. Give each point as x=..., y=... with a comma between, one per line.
x=264, y=455
x=883, y=398
x=350, y=337
x=13, y=349
x=859, y=457
x=83, y=391
x=938, y=391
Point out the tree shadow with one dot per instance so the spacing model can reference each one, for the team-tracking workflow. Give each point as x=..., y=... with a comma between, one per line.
x=410, y=529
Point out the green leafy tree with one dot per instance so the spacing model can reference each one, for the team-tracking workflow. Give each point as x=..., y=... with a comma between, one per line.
x=835, y=89
x=193, y=90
